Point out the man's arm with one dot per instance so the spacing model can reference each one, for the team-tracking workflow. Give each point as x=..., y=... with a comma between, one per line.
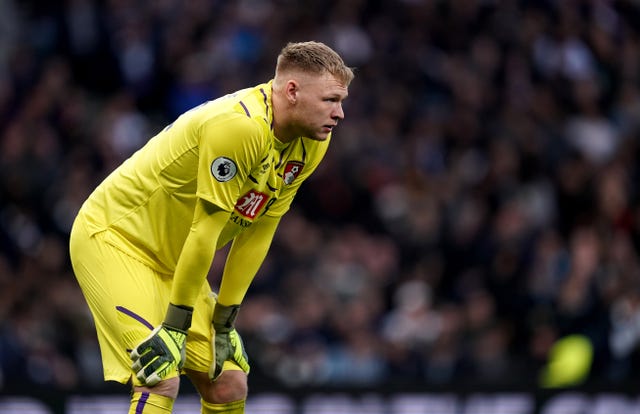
x=247, y=253
x=245, y=257
x=197, y=253
x=162, y=353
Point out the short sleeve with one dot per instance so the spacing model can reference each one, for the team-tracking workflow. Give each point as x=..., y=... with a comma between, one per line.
x=230, y=145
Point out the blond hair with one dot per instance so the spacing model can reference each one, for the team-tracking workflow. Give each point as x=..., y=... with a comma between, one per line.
x=313, y=57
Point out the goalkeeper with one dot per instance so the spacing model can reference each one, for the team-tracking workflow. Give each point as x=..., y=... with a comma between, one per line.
x=143, y=242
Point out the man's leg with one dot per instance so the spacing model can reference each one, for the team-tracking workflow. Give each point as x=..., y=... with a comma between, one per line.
x=155, y=400
x=226, y=395
x=127, y=299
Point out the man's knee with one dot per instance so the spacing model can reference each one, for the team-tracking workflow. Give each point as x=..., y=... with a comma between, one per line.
x=230, y=386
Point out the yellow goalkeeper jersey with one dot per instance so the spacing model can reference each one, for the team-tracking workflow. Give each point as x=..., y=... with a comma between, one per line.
x=223, y=151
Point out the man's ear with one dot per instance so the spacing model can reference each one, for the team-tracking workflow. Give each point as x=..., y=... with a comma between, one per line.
x=291, y=91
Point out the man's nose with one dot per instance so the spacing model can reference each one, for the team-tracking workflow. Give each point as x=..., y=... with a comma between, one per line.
x=338, y=112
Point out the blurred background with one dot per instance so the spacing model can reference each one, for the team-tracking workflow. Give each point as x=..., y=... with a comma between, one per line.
x=478, y=207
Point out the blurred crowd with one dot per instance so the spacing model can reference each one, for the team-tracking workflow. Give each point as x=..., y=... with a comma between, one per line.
x=477, y=204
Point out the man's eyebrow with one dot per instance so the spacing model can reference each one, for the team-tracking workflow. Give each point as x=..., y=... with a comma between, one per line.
x=335, y=98
x=337, y=95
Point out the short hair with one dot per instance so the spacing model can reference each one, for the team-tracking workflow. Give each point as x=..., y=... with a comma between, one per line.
x=313, y=57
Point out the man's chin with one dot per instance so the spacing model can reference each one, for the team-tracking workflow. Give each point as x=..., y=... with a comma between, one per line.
x=320, y=136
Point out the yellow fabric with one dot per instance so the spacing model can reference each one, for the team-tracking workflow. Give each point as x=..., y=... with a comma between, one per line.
x=199, y=352
x=149, y=403
x=148, y=202
x=197, y=254
x=296, y=161
x=244, y=259
x=235, y=407
x=143, y=229
x=231, y=366
x=223, y=151
x=127, y=299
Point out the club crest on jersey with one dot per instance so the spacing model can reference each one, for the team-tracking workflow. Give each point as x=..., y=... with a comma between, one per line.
x=250, y=204
x=291, y=171
x=223, y=169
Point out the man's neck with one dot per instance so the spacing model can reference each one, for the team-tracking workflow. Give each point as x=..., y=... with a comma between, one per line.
x=281, y=124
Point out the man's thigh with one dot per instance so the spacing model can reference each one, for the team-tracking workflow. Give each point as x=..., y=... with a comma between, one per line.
x=127, y=298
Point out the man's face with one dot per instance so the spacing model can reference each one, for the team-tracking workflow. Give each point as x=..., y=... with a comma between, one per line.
x=318, y=105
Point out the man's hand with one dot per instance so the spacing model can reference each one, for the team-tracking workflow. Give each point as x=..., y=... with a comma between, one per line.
x=163, y=351
x=227, y=344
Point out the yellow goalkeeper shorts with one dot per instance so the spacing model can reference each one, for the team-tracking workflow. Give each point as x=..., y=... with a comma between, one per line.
x=128, y=299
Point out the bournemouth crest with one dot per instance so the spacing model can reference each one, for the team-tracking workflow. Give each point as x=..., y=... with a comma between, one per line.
x=291, y=171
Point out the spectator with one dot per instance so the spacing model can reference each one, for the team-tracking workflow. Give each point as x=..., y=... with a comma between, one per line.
x=488, y=162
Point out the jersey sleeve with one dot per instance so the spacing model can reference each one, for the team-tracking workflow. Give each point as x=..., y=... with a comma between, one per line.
x=247, y=253
x=230, y=146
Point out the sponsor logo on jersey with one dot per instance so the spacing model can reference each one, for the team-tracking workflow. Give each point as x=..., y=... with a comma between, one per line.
x=239, y=220
x=251, y=203
x=291, y=171
x=223, y=169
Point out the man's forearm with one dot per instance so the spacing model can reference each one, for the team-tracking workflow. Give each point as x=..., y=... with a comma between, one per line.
x=197, y=253
x=247, y=253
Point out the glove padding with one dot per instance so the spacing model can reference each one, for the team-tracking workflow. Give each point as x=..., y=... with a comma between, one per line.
x=164, y=350
x=227, y=344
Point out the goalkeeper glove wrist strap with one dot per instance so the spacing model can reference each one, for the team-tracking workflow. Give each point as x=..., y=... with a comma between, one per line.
x=224, y=317
x=178, y=317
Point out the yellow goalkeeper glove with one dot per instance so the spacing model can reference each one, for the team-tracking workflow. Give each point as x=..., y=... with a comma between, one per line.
x=163, y=351
x=227, y=344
